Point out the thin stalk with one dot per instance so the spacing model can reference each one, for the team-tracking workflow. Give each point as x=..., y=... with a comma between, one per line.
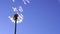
x=15, y=27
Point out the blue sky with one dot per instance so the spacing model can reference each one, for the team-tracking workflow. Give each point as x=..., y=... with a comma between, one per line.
x=40, y=17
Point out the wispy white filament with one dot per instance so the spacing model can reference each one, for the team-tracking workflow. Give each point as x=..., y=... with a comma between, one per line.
x=11, y=18
x=19, y=20
x=20, y=16
x=26, y=1
x=14, y=9
x=20, y=9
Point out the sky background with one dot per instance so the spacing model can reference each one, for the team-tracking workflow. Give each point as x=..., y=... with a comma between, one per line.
x=40, y=17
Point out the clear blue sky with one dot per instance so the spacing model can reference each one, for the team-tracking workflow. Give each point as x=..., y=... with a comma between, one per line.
x=40, y=17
